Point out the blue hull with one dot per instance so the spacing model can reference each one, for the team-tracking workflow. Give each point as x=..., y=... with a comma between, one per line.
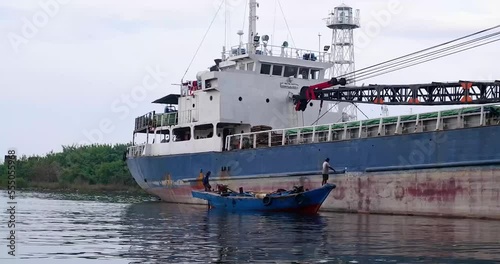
x=304, y=202
x=454, y=148
x=451, y=172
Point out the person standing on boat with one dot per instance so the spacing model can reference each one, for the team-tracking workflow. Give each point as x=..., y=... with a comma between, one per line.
x=326, y=170
x=206, y=182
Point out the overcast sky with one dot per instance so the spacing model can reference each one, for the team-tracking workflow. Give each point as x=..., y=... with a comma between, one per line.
x=67, y=66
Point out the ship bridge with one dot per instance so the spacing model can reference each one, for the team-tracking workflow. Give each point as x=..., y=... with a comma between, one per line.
x=281, y=60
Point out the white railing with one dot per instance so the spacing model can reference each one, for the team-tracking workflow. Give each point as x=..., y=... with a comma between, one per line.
x=343, y=20
x=343, y=16
x=175, y=147
x=280, y=51
x=433, y=121
x=136, y=151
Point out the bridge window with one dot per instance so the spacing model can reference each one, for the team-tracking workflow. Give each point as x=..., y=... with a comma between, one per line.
x=265, y=69
x=291, y=71
x=304, y=73
x=277, y=70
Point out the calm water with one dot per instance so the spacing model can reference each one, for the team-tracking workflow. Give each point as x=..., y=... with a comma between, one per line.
x=57, y=228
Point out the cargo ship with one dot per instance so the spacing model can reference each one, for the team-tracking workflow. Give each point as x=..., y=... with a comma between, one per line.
x=256, y=120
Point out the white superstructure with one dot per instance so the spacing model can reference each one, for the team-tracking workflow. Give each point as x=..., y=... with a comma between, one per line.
x=251, y=85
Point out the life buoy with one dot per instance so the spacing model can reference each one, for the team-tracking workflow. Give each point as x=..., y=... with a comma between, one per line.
x=267, y=200
x=300, y=198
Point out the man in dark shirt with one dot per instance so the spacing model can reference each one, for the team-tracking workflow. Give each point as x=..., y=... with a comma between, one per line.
x=206, y=182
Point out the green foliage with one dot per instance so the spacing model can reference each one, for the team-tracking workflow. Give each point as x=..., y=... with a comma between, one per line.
x=21, y=183
x=94, y=164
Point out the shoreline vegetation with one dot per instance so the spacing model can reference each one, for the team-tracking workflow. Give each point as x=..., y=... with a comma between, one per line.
x=97, y=168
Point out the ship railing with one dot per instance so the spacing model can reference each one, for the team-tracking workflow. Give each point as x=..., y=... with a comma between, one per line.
x=281, y=51
x=167, y=119
x=136, y=151
x=337, y=19
x=152, y=120
x=144, y=121
x=484, y=115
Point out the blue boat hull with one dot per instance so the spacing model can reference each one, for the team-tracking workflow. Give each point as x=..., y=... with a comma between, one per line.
x=305, y=202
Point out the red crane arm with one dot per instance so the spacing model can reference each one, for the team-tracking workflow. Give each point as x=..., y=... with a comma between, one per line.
x=307, y=92
x=435, y=93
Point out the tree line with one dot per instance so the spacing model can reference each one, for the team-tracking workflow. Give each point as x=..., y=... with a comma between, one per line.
x=97, y=164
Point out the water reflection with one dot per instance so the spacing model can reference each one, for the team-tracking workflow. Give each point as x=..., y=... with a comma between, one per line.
x=62, y=229
x=171, y=233
x=179, y=233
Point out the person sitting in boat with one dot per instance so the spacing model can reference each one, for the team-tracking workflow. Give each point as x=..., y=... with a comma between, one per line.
x=326, y=168
x=206, y=182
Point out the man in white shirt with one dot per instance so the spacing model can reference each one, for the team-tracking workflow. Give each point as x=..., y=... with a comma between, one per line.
x=326, y=167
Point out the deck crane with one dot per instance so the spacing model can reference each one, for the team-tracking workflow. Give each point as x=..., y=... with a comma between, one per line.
x=308, y=93
x=436, y=93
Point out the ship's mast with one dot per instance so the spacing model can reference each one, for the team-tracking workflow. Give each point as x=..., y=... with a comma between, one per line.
x=252, y=25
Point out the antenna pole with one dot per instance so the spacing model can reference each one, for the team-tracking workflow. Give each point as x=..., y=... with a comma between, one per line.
x=319, y=48
x=252, y=27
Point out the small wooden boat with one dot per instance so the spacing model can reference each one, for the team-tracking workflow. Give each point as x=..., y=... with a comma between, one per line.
x=295, y=200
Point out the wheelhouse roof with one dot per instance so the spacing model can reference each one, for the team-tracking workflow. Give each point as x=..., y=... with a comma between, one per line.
x=172, y=99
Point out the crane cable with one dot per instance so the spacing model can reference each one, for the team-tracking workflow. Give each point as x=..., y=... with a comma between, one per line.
x=408, y=58
x=378, y=73
x=435, y=54
x=203, y=39
x=423, y=50
x=286, y=23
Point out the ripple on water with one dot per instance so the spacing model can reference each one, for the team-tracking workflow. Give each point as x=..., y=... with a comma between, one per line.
x=55, y=227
